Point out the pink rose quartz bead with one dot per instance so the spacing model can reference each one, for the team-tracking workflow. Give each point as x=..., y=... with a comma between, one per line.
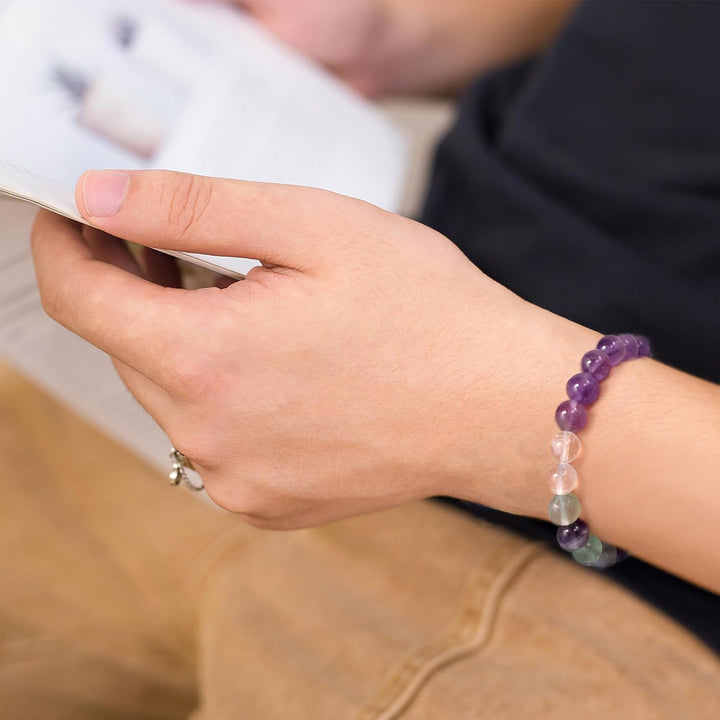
x=564, y=479
x=565, y=446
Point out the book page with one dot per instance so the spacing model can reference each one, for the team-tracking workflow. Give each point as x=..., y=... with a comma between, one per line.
x=141, y=84
x=23, y=185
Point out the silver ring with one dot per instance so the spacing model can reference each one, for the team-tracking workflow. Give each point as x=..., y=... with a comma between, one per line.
x=178, y=473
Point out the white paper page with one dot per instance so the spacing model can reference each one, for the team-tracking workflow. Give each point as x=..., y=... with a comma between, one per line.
x=285, y=121
x=23, y=185
x=164, y=84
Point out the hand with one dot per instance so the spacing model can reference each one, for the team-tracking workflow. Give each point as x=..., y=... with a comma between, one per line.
x=411, y=46
x=369, y=363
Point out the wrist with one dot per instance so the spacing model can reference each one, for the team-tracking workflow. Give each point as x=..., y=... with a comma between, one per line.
x=505, y=459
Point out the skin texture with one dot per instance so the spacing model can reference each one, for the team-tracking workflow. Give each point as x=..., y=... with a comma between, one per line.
x=368, y=364
x=411, y=46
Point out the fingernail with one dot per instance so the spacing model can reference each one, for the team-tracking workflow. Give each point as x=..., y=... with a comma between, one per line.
x=104, y=192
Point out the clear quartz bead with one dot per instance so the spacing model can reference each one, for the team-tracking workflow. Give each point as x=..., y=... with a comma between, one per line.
x=565, y=446
x=564, y=509
x=564, y=479
x=590, y=552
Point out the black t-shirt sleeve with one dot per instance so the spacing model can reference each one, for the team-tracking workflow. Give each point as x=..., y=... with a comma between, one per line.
x=588, y=180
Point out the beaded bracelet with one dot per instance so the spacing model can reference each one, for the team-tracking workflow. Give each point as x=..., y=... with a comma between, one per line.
x=573, y=534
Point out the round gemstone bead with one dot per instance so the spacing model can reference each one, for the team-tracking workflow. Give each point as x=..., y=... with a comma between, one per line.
x=565, y=446
x=621, y=555
x=571, y=415
x=590, y=552
x=574, y=536
x=564, y=479
x=613, y=347
x=608, y=556
x=597, y=363
x=583, y=388
x=564, y=509
x=631, y=346
x=644, y=349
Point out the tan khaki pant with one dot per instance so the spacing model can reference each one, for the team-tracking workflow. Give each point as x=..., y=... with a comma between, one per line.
x=125, y=598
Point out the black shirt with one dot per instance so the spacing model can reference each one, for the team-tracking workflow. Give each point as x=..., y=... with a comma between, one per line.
x=588, y=182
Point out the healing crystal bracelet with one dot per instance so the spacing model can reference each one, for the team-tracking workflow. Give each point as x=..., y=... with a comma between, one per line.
x=573, y=534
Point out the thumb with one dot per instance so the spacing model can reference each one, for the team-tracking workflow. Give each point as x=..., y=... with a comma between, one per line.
x=277, y=224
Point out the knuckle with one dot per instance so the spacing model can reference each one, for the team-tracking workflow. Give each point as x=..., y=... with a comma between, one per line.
x=186, y=371
x=54, y=297
x=51, y=302
x=188, y=198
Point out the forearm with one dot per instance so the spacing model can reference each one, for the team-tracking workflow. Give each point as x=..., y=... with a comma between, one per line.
x=453, y=41
x=652, y=470
x=649, y=479
x=411, y=46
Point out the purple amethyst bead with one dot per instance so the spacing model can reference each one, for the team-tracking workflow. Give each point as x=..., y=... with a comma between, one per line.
x=644, y=349
x=631, y=346
x=573, y=537
x=571, y=415
x=583, y=388
x=597, y=363
x=613, y=347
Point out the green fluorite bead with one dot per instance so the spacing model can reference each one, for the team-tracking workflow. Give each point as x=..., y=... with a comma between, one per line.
x=564, y=509
x=590, y=552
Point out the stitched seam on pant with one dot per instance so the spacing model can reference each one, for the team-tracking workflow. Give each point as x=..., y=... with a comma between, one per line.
x=472, y=631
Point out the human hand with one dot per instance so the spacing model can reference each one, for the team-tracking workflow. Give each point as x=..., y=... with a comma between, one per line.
x=410, y=46
x=366, y=365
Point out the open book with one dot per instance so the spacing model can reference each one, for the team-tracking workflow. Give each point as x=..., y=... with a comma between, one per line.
x=141, y=84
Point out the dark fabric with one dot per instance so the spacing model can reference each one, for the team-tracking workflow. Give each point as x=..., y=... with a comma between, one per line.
x=588, y=181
